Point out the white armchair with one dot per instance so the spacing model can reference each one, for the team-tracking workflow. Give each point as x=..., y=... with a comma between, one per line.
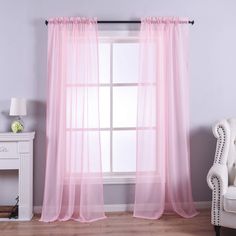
x=221, y=176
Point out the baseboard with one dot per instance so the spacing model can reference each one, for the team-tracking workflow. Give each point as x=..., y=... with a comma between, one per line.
x=203, y=205
x=129, y=207
x=119, y=207
x=108, y=208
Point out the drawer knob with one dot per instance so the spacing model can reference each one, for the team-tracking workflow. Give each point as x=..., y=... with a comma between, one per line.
x=3, y=149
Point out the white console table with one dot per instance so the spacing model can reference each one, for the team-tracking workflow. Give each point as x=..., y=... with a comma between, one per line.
x=16, y=153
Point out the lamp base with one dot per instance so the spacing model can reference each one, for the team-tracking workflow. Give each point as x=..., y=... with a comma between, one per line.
x=17, y=126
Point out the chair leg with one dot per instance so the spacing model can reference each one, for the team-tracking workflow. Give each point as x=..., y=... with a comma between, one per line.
x=217, y=230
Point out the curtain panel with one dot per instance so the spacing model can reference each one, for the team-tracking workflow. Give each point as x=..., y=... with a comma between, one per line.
x=73, y=185
x=163, y=181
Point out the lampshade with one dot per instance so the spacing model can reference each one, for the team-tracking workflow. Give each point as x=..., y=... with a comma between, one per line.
x=18, y=107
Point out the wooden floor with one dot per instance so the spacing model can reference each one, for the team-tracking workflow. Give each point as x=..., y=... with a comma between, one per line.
x=117, y=224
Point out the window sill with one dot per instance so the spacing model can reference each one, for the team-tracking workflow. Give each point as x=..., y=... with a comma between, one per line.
x=119, y=179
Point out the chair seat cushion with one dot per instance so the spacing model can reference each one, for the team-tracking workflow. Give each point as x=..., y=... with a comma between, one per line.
x=230, y=199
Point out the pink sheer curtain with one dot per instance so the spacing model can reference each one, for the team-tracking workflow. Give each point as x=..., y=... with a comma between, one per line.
x=163, y=181
x=73, y=185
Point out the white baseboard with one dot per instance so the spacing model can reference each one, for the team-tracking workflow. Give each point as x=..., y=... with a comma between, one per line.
x=203, y=205
x=108, y=208
x=119, y=208
x=129, y=207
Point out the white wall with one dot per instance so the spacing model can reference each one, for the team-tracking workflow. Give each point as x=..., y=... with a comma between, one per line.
x=23, y=43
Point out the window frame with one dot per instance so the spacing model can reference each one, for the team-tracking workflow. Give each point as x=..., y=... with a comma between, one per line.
x=117, y=37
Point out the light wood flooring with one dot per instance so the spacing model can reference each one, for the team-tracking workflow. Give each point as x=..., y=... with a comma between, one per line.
x=117, y=224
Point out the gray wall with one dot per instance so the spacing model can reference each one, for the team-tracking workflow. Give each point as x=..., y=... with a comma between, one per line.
x=23, y=42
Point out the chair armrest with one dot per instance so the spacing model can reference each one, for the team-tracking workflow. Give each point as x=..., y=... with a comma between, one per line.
x=220, y=172
x=221, y=131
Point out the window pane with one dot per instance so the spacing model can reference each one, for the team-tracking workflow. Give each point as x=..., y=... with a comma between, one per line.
x=124, y=151
x=124, y=106
x=125, y=62
x=104, y=94
x=105, y=147
x=82, y=107
x=146, y=141
x=104, y=62
x=147, y=105
x=87, y=142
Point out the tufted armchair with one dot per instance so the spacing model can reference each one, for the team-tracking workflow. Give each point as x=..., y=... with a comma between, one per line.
x=221, y=176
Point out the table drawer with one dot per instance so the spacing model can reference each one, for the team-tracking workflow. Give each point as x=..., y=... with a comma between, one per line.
x=8, y=149
x=9, y=163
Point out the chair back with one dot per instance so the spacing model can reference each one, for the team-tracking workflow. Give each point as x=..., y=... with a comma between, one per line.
x=231, y=159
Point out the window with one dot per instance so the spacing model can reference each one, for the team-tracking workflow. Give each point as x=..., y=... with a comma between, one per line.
x=118, y=71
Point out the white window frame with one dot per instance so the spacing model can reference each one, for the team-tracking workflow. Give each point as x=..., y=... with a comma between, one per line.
x=117, y=37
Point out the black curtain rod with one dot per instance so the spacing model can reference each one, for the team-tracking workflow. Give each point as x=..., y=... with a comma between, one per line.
x=123, y=22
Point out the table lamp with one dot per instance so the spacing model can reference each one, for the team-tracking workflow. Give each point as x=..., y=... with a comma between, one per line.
x=18, y=108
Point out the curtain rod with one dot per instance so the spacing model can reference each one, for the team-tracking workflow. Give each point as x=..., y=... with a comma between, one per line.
x=123, y=22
